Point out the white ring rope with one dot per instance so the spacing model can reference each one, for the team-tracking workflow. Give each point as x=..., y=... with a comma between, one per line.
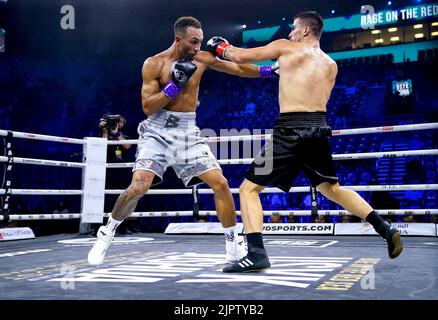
x=150, y=214
x=407, y=127
x=43, y=137
x=343, y=132
x=43, y=192
x=43, y=162
x=395, y=187
x=347, y=156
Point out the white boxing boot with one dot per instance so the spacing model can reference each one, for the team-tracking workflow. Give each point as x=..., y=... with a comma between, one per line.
x=97, y=253
x=236, y=249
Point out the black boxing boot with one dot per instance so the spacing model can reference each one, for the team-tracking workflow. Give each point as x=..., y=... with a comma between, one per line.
x=393, y=241
x=390, y=235
x=256, y=260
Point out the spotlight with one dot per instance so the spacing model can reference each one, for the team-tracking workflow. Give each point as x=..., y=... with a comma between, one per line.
x=244, y=26
x=333, y=11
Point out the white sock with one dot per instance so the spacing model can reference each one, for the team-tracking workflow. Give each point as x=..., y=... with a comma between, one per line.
x=230, y=233
x=112, y=223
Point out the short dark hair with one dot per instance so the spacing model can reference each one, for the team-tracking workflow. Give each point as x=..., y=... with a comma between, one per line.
x=182, y=23
x=314, y=20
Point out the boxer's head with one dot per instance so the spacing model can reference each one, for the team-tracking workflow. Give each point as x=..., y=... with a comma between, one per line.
x=308, y=24
x=188, y=36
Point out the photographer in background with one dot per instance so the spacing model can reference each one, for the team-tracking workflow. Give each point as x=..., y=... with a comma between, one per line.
x=111, y=126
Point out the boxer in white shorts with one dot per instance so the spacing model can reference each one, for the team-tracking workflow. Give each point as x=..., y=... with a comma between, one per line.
x=169, y=137
x=172, y=139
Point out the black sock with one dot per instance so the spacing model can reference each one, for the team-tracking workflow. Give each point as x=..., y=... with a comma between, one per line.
x=378, y=223
x=256, y=248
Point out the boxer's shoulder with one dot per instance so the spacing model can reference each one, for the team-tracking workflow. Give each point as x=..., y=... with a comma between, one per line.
x=156, y=61
x=154, y=65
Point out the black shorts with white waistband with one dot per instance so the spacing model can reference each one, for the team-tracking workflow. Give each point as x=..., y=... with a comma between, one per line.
x=299, y=143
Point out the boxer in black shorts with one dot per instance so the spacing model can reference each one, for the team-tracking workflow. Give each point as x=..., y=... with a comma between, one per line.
x=300, y=139
x=299, y=143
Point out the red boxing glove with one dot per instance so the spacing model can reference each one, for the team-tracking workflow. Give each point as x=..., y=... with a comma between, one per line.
x=217, y=46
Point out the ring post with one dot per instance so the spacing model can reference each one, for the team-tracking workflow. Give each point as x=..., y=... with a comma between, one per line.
x=195, y=202
x=314, y=203
x=7, y=178
x=93, y=182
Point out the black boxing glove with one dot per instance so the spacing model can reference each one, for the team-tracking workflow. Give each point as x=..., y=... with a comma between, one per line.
x=217, y=46
x=181, y=70
x=270, y=71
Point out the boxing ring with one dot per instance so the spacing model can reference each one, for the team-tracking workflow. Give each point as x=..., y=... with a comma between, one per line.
x=327, y=266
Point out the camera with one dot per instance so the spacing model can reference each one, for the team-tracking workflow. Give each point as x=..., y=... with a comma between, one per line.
x=111, y=121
